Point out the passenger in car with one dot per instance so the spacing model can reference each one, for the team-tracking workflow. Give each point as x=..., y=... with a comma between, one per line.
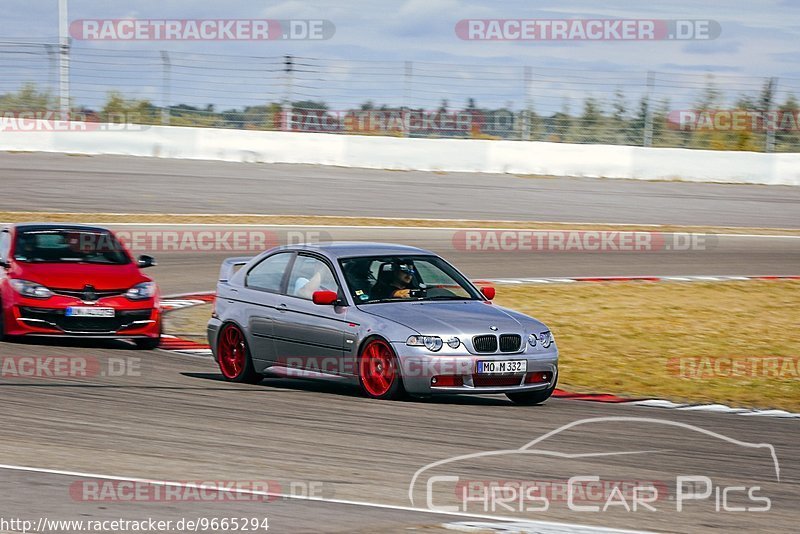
x=320, y=280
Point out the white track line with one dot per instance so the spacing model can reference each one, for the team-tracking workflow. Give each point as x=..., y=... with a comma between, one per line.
x=447, y=228
x=541, y=526
x=636, y=278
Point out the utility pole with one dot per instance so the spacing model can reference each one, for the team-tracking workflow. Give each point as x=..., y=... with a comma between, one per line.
x=648, y=115
x=165, y=87
x=288, y=67
x=527, y=77
x=405, y=107
x=770, y=91
x=63, y=71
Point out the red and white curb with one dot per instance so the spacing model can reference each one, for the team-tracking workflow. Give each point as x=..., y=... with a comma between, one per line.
x=718, y=408
x=175, y=302
x=568, y=280
x=183, y=346
x=186, y=346
x=177, y=344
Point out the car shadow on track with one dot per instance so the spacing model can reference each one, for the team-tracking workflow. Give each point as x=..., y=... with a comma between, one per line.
x=73, y=342
x=346, y=390
x=109, y=386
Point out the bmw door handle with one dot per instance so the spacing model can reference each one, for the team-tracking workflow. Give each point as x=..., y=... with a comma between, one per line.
x=282, y=307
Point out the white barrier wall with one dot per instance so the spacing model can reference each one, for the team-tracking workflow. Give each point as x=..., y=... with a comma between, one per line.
x=465, y=155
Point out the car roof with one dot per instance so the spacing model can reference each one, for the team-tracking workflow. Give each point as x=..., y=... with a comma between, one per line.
x=348, y=249
x=36, y=227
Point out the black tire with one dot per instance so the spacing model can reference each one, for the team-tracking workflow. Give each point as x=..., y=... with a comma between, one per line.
x=149, y=343
x=531, y=398
x=246, y=372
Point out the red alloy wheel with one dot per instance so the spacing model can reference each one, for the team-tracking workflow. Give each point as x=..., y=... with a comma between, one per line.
x=378, y=369
x=232, y=352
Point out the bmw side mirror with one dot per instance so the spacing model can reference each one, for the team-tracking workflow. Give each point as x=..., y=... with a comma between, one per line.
x=325, y=298
x=146, y=261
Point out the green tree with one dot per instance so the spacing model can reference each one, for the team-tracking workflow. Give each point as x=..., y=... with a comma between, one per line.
x=591, y=121
x=28, y=98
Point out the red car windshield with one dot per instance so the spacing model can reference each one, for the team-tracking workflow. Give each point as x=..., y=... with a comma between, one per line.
x=69, y=246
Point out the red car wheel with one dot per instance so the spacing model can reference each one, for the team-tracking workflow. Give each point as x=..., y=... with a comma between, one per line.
x=234, y=356
x=379, y=372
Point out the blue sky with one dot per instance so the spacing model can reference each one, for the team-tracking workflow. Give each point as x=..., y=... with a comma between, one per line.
x=759, y=39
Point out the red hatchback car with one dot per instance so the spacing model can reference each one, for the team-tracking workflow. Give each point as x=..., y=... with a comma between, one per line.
x=75, y=280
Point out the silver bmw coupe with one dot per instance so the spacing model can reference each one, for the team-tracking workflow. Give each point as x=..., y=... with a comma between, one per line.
x=393, y=319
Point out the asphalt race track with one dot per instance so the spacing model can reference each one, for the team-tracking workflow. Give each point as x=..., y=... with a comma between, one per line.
x=170, y=417
x=178, y=421
x=57, y=182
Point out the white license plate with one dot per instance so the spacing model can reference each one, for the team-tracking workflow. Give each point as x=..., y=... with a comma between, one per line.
x=502, y=367
x=79, y=311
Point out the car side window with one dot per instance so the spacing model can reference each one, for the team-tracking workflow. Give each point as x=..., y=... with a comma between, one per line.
x=308, y=275
x=5, y=245
x=430, y=275
x=268, y=274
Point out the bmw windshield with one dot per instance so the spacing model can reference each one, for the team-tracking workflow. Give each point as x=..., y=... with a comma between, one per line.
x=402, y=278
x=69, y=246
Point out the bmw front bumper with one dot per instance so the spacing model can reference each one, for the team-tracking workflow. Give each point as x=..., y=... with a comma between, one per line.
x=427, y=373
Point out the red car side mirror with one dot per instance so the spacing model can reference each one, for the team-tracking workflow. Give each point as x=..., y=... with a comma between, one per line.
x=488, y=292
x=324, y=298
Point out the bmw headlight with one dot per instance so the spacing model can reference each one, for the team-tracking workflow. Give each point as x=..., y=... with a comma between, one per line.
x=30, y=289
x=546, y=338
x=454, y=342
x=432, y=343
x=143, y=291
x=532, y=340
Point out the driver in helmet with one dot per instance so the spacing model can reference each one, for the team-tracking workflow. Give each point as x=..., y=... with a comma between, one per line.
x=396, y=284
